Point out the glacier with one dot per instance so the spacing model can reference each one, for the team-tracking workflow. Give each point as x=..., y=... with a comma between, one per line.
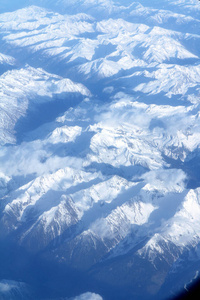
x=99, y=149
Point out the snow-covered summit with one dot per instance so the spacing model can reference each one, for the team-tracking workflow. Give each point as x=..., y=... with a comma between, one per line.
x=99, y=157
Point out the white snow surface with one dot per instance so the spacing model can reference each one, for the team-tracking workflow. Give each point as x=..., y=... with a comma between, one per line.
x=116, y=165
x=6, y=59
x=26, y=87
x=182, y=229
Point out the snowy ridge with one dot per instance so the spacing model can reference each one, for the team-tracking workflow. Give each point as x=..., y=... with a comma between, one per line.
x=61, y=37
x=181, y=230
x=34, y=190
x=6, y=59
x=178, y=80
x=99, y=158
x=29, y=86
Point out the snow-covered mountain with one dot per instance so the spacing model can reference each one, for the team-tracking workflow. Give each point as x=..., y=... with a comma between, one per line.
x=99, y=157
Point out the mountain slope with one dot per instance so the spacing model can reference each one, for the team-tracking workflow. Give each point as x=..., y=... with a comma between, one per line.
x=99, y=158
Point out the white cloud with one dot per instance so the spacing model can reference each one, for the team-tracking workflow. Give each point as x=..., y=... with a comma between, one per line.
x=29, y=158
x=169, y=180
x=5, y=287
x=88, y=296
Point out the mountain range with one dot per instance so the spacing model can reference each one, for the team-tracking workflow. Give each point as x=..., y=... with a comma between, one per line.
x=99, y=149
